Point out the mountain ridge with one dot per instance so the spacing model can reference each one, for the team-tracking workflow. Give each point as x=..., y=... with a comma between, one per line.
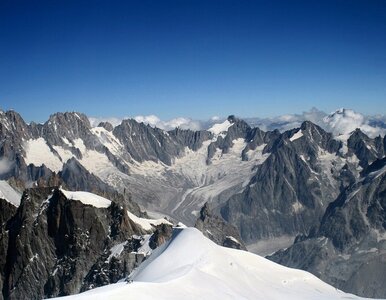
x=267, y=184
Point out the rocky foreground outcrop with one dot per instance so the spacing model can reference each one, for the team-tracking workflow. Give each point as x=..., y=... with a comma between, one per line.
x=55, y=246
x=219, y=231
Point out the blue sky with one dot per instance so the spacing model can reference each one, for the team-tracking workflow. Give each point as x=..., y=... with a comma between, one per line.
x=191, y=58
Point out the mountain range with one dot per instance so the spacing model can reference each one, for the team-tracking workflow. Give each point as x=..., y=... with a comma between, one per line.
x=321, y=191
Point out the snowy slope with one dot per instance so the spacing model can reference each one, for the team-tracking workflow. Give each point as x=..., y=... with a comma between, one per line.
x=9, y=194
x=192, y=267
x=87, y=198
x=147, y=224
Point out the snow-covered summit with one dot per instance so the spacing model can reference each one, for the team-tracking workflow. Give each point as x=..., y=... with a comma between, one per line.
x=190, y=266
x=343, y=121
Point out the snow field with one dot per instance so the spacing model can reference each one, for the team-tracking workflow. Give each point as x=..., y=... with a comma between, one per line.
x=191, y=266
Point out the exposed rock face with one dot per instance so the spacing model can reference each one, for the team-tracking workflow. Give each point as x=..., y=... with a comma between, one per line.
x=219, y=231
x=289, y=192
x=348, y=250
x=54, y=243
x=162, y=234
x=365, y=148
x=144, y=142
x=7, y=210
x=106, y=125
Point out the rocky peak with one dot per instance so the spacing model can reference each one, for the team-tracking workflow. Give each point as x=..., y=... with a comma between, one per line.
x=364, y=147
x=188, y=138
x=55, y=242
x=218, y=230
x=69, y=125
x=68, y=118
x=13, y=126
x=232, y=119
x=144, y=142
x=106, y=125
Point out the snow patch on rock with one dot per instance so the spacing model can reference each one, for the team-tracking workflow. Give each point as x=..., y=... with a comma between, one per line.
x=9, y=194
x=87, y=198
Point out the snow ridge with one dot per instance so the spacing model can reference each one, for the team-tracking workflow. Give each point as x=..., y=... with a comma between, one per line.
x=190, y=266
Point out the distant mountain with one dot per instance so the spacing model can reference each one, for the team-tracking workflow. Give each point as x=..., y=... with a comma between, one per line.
x=267, y=184
x=348, y=249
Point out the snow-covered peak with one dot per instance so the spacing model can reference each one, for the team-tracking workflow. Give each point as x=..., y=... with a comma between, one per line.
x=344, y=121
x=87, y=198
x=220, y=127
x=191, y=266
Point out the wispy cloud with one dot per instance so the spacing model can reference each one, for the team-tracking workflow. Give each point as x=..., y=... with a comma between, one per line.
x=5, y=166
x=181, y=122
x=94, y=121
x=342, y=121
x=155, y=121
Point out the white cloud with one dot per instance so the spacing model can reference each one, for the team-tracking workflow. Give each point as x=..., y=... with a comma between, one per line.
x=155, y=121
x=5, y=165
x=288, y=121
x=94, y=121
x=344, y=121
x=181, y=122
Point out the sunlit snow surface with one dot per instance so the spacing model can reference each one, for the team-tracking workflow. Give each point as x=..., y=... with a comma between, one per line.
x=221, y=127
x=38, y=153
x=87, y=198
x=147, y=224
x=297, y=135
x=9, y=194
x=193, y=267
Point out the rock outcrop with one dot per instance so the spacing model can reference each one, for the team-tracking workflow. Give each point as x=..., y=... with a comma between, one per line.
x=348, y=249
x=55, y=246
x=219, y=231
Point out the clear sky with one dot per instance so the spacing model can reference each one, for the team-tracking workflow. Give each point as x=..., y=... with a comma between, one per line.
x=191, y=58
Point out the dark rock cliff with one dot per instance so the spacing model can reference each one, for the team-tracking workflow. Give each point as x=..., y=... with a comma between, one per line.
x=54, y=243
x=219, y=231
